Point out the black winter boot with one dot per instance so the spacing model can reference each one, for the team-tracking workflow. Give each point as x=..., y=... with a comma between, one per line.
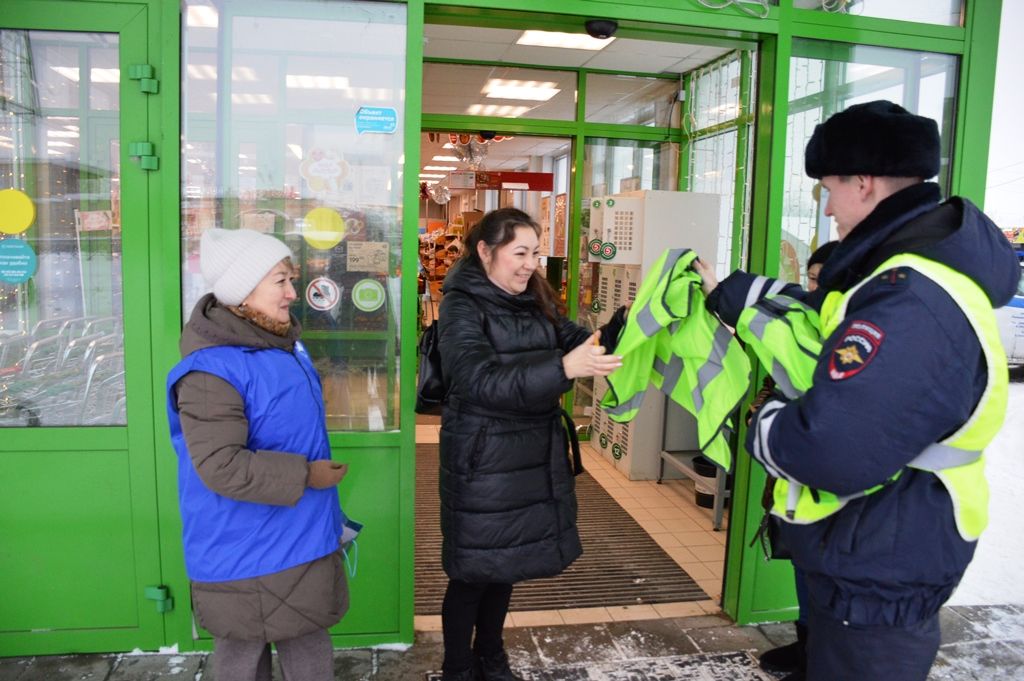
x=788, y=658
x=465, y=675
x=495, y=668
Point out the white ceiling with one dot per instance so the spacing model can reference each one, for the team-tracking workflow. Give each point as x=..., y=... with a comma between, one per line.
x=452, y=89
x=622, y=54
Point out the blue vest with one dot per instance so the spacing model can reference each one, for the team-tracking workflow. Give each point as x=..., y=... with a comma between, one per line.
x=226, y=539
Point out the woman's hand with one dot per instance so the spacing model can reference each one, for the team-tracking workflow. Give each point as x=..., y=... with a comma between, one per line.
x=324, y=473
x=589, y=359
x=708, y=280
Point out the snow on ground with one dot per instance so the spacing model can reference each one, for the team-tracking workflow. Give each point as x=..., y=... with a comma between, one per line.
x=993, y=578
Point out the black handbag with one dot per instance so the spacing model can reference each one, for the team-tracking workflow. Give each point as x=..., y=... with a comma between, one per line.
x=430, y=387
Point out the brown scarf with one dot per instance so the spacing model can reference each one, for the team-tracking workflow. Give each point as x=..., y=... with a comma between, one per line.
x=261, y=320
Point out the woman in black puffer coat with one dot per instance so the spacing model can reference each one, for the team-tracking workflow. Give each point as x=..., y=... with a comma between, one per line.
x=508, y=503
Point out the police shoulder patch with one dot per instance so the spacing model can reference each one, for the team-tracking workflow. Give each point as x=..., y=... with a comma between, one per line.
x=856, y=348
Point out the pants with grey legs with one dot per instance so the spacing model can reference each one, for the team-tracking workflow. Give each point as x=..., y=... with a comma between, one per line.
x=305, y=658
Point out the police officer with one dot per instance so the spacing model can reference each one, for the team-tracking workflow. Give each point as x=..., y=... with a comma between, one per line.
x=885, y=448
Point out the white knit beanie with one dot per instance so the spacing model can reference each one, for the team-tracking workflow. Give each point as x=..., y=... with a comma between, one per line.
x=234, y=261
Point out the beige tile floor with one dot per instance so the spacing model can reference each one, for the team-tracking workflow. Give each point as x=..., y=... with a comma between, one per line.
x=669, y=515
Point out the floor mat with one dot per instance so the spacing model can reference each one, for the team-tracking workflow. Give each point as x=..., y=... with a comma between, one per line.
x=735, y=666
x=620, y=565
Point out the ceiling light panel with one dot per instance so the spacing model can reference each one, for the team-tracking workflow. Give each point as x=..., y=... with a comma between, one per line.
x=567, y=41
x=531, y=90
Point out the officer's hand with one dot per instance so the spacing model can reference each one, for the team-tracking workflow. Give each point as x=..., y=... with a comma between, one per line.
x=325, y=473
x=589, y=359
x=708, y=280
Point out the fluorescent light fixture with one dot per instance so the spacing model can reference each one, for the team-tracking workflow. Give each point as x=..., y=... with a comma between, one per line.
x=209, y=72
x=445, y=168
x=105, y=75
x=532, y=90
x=297, y=150
x=248, y=168
x=251, y=98
x=58, y=143
x=304, y=82
x=61, y=133
x=449, y=159
x=432, y=175
x=95, y=75
x=448, y=145
x=201, y=16
x=568, y=41
x=515, y=185
x=503, y=111
x=430, y=182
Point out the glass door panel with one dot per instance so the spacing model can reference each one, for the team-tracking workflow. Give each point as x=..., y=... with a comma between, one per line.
x=292, y=127
x=75, y=355
x=61, y=316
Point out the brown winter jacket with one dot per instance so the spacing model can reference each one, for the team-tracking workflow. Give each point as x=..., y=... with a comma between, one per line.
x=272, y=607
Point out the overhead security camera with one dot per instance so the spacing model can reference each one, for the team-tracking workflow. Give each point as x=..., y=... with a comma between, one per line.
x=602, y=29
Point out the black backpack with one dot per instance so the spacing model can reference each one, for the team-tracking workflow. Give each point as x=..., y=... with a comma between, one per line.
x=430, y=387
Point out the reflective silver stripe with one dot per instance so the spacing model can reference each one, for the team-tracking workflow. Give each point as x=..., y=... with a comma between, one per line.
x=646, y=321
x=754, y=292
x=670, y=373
x=761, y=453
x=776, y=286
x=645, y=318
x=632, y=403
x=758, y=323
x=712, y=366
x=793, y=498
x=781, y=377
x=937, y=457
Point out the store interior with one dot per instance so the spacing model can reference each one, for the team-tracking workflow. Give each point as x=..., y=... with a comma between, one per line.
x=468, y=168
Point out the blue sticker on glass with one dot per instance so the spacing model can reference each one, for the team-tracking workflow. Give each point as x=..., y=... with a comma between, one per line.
x=379, y=119
x=18, y=261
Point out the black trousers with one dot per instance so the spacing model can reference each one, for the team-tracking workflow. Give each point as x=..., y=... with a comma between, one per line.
x=468, y=606
x=845, y=652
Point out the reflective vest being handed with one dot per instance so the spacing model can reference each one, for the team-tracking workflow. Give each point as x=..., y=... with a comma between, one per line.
x=784, y=333
x=672, y=341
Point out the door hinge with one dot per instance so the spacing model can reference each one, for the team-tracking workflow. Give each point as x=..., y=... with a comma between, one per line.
x=144, y=73
x=164, y=603
x=148, y=160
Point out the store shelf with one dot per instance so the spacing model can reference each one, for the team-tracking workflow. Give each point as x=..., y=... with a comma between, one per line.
x=682, y=461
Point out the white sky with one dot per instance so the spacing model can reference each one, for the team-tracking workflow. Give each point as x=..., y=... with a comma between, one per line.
x=1004, y=197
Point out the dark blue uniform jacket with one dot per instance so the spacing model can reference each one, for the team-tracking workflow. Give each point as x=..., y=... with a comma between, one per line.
x=891, y=558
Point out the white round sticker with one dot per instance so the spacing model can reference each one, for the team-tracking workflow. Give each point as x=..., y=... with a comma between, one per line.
x=322, y=294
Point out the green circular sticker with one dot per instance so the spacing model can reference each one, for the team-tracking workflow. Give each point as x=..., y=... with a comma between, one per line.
x=594, y=246
x=608, y=250
x=604, y=440
x=610, y=202
x=597, y=204
x=596, y=306
x=368, y=295
x=616, y=451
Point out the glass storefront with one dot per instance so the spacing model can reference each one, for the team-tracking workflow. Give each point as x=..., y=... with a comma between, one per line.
x=826, y=78
x=293, y=126
x=61, y=314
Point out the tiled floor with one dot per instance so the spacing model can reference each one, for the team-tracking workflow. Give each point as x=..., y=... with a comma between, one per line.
x=668, y=513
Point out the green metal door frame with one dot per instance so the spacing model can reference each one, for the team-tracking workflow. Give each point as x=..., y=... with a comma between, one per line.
x=134, y=22
x=151, y=33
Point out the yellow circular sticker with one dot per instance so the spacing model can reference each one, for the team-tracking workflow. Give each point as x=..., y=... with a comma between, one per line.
x=17, y=212
x=323, y=228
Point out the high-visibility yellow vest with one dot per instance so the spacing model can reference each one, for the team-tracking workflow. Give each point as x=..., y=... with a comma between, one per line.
x=672, y=341
x=781, y=332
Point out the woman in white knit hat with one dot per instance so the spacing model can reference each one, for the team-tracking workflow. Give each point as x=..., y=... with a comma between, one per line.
x=262, y=526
